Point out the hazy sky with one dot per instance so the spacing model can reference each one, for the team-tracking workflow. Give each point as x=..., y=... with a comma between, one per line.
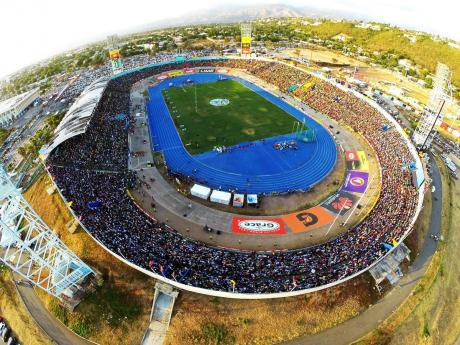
x=33, y=30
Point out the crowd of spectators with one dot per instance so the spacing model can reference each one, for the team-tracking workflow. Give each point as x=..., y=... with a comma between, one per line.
x=85, y=77
x=91, y=169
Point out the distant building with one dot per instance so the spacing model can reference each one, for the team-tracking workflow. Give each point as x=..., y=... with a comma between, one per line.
x=411, y=38
x=12, y=108
x=341, y=37
x=454, y=45
x=363, y=25
x=405, y=63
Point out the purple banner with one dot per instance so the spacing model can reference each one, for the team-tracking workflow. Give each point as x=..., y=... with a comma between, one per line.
x=356, y=181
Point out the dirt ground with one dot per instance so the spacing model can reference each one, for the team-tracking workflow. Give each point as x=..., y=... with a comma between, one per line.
x=322, y=55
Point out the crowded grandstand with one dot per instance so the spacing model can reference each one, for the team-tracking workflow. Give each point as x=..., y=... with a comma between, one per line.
x=91, y=172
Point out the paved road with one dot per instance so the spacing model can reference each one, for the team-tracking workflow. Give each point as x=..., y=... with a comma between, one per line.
x=60, y=334
x=359, y=326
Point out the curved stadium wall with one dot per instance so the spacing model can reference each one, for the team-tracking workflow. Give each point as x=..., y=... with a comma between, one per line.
x=276, y=294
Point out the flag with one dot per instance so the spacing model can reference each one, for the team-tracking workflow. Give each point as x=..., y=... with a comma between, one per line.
x=387, y=246
x=94, y=205
x=294, y=281
x=70, y=203
x=394, y=242
x=233, y=283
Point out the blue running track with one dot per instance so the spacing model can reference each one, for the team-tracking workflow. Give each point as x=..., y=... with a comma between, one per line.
x=253, y=167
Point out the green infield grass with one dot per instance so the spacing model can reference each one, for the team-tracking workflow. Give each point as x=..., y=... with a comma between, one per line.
x=247, y=117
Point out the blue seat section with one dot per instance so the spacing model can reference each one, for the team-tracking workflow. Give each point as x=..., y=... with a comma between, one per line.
x=254, y=167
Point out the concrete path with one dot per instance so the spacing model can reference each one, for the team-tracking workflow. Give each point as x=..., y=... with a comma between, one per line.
x=364, y=323
x=59, y=333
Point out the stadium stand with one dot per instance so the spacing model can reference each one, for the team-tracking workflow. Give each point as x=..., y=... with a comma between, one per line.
x=93, y=167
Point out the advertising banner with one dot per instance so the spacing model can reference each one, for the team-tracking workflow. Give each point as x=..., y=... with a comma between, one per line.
x=223, y=70
x=115, y=59
x=258, y=226
x=356, y=181
x=245, y=44
x=351, y=156
x=206, y=70
x=189, y=70
x=308, y=219
x=162, y=77
x=175, y=73
x=364, y=164
x=340, y=202
x=356, y=160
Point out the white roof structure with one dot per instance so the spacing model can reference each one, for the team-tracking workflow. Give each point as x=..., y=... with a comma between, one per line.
x=221, y=197
x=200, y=191
x=11, y=102
x=77, y=118
x=12, y=107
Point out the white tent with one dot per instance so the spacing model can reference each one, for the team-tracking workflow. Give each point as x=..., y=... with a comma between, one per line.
x=200, y=191
x=238, y=200
x=221, y=197
x=252, y=199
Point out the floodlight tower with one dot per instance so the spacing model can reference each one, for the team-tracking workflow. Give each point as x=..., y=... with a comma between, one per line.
x=424, y=133
x=246, y=30
x=32, y=250
x=114, y=53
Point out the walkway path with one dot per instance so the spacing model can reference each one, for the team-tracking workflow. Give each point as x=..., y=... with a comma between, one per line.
x=59, y=333
x=359, y=326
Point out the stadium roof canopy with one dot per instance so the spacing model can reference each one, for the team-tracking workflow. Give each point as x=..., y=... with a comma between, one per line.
x=77, y=118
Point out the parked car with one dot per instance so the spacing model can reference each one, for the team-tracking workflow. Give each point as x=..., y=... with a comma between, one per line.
x=6, y=333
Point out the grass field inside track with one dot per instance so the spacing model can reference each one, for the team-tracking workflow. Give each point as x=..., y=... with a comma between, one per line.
x=247, y=117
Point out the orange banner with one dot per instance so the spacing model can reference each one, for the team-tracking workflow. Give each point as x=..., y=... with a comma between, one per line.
x=307, y=219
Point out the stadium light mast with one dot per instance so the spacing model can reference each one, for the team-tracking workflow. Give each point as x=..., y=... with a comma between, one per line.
x=246, y=31
x=424, y=133
x=114, y=53
x=33, y=251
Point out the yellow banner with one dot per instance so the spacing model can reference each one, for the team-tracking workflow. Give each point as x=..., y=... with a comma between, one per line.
x=175, y=73
x=246, y=39
x=307, y=85
x=363, y=163
x=114, y=54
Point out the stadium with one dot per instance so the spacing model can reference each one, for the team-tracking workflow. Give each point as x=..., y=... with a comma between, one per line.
x=242, y=132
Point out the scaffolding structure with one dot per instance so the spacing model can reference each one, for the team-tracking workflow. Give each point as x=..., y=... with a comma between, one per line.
x=33, y=251
x=424, y=133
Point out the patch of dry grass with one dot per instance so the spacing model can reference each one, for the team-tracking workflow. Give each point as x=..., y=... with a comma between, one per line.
x=267, y=321
x=120, y=310
x=17, y=316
